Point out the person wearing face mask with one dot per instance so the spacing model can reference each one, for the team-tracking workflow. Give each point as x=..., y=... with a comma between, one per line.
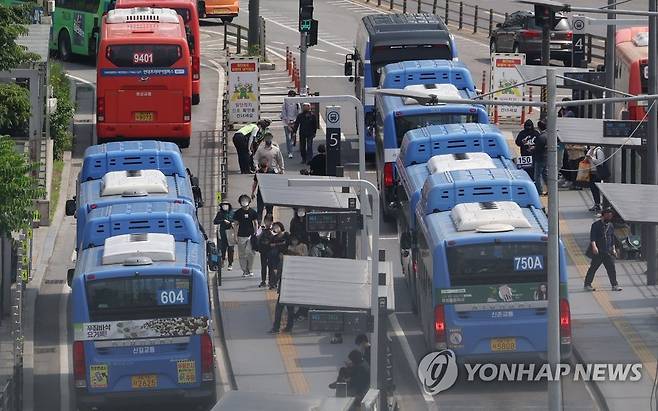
x=602, y=250
x=271, y=153
x=298, y=225
x=225, y=234
x=278, y=245
x=289, y=113
x=525, y=140
x=307, y=124
x=263, y=168
x=245, y=219
x=264, y=238
x=245, y=138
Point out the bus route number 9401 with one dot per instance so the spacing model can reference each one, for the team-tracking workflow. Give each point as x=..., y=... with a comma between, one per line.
x=143, y=58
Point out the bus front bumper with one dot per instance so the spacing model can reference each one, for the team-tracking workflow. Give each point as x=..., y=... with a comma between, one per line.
x=206, y=392
x=144, y=131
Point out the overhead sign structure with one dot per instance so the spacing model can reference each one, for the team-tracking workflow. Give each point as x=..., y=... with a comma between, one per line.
x=333, y=139
x=348, y=322
x=243, y=90
x=504, y=75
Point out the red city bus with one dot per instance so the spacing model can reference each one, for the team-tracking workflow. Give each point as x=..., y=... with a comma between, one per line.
x=187, y=9
x=631, y=69
x=143, y=77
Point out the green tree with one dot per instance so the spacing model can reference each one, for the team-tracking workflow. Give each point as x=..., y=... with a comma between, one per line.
x=18, y=188
x=60, y=119
x=12, y=25
x=14, y=109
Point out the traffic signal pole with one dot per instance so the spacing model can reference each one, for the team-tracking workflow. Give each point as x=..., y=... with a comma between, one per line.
x=302, y=62
x=253, y=35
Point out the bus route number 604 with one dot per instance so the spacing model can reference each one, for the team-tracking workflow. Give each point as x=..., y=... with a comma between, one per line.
x=172, y=296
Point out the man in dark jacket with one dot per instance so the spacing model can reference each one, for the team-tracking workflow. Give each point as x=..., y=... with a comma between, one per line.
x=357, y=375
x=602, y=246
x=307, y=125
x=318, y=163
x=525, y=140
x=539, y=158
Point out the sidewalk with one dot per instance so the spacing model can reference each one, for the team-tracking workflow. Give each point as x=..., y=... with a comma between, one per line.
x=297, y=363
x=608, y=327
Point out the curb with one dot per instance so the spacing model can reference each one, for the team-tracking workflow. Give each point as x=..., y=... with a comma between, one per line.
x=598, y=397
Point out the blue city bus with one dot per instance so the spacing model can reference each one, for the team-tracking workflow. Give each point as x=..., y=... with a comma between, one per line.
x=415, y=72
x=174, y=218
x=390, y=38
x=481, y=287
x=141, y=316
x=131, y=155
x=121, y=187
x=397, y=115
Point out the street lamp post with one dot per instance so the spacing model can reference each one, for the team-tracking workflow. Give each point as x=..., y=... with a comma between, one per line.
x=363, y=185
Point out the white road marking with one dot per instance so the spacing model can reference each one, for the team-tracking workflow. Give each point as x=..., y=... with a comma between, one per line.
x=81, y=80
x=320, y=50
x=406, y=349
x=311, y=57
x=295, y=30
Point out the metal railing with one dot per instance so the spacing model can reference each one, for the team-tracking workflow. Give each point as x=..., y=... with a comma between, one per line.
x=236, y=36
x=472, y=17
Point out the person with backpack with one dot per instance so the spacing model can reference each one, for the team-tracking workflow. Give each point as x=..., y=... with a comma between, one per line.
x=599, y=172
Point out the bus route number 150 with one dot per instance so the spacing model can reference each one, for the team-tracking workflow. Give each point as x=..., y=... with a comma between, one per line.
x=143, y=58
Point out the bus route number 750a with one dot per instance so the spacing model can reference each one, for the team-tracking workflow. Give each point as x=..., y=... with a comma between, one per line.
x=529, y=263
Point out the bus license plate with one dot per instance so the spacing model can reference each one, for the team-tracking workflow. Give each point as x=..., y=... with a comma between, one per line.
x=144, y=381
x=144, y=116
x=503, y=344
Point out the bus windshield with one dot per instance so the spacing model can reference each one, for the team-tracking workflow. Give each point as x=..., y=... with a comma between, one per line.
x=117, y=299
x=143, y=55
x=489, y=263
x=395, y=54
x=410, y=122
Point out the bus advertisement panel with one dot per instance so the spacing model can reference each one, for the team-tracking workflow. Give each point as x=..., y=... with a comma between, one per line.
x=144, y=81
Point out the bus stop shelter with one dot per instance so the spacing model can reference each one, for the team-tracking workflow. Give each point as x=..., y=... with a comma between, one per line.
x=258, y=401
x=336, y=283
x=635, y=203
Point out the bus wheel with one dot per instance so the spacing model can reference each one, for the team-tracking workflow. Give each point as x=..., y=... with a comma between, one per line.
x=195, y=99
x=64, y=46
x=184, y=143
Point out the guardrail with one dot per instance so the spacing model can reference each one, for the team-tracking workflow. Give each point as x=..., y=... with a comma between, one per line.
x=478, y=19
x=236, y=36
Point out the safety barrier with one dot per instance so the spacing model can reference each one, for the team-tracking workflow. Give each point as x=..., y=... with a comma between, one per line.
x=236, y=36
x=477, y=19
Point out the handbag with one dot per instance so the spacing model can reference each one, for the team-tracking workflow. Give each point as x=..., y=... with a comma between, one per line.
x=589, y=252
x=584, y=171
x=253, y=240
x=603, y=171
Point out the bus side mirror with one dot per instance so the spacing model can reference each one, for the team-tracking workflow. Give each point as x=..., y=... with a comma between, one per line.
x=69, y=276
x=70, y=207
x=348, y=69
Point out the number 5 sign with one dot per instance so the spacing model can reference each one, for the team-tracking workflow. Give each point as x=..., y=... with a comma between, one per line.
x=333, y=139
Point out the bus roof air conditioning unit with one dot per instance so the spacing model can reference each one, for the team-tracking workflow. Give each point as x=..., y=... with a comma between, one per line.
x=131, y=248
x=455, y=162
x=142, y=15
x=494, y=216
x=439, y=90
x=134, y=181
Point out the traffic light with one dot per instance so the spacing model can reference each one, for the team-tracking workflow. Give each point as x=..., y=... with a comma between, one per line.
x=305, y=15
x=544, y=15
x=312, y=36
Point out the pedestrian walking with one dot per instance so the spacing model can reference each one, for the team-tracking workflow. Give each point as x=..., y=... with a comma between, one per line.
x=307, y=125
x=539, y=158
x=602, y=250
x=278, y=312
x=278, y=246
x=289, y=113
x=318, y=163
x=599, y=173
x=575, y=154
x=298, y=225
x=258, y=139
x=270, y=152
x=263, y=168
x=525, y=140
x=264, y=238
x=245, y=219
x=242, y=140
x=225, y=234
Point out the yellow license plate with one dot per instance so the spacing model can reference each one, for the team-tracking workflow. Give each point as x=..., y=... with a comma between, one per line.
x=503, y=344
x=144, y=381
x=144, y=116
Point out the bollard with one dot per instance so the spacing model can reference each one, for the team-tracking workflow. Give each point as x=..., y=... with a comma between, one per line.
x=523, y=113
x=530, y=99
x=461, y=15
x=391, y=5
x=490, y=21
x=475, y=19
x=447, y=10
x=484, y=82
x=434, y=7
x=419, y=10
x=379, y=3
x=288, y=59
x=495, y=115
x=404, y=6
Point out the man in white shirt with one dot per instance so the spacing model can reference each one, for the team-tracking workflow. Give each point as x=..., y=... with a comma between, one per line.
x=271, y=152
x=289, y=113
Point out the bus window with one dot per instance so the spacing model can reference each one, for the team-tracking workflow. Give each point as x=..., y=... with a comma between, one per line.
x=410, y=122
x=143, y=55
x=395, y=54
x=489, y=263
x=114, y=299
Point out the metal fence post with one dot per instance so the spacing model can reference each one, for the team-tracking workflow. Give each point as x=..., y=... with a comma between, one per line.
x=239, y=40
x=225, y=36
x=589, y=48
x=263, y=36
x=447, y=11
x=475, y=19
x=391, y=5
x=404, y=6
x=379, y=2
x=434, y=7
x=461, y=15
x=490, y=21
x=419, y=3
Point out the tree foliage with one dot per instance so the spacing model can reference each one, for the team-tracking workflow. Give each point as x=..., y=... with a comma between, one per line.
x=18, y=188
x=14, y=110
x=60, y=119
x=12, y=25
